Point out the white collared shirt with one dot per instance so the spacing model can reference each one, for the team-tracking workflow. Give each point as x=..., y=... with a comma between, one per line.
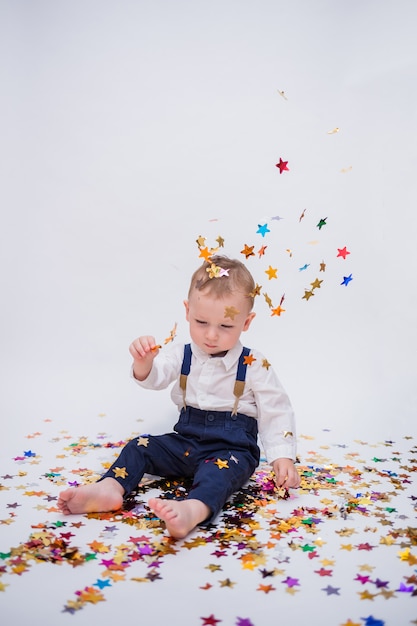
x=210, y=386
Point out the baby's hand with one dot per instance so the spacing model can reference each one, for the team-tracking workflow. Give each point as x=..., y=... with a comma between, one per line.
x=286, y=474
x=144, y=348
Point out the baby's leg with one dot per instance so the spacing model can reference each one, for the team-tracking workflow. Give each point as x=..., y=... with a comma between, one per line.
x=105, y=495
x=180, y=516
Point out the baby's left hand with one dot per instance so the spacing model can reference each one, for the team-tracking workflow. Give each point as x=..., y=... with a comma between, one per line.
x=286, y=474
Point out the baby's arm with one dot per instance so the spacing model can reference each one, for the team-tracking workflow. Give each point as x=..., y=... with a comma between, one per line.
x=143, y=351
x=286, y=474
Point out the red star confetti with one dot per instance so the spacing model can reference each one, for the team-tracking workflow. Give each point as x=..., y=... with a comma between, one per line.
x=342, y=252
x=282, y=166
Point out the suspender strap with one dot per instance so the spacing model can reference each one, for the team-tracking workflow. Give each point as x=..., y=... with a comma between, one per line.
x=185, y=370
x=240, y=378
x=240, y=375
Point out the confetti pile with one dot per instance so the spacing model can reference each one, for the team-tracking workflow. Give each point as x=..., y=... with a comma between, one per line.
x=347, y=535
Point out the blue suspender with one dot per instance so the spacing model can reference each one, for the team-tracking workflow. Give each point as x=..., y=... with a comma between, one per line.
x=185, y=370
x=242, y=366
x=186, y=362
x=240, y=374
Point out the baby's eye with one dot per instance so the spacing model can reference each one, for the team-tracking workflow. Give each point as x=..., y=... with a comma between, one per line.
x=200, y=322
x=226, y=326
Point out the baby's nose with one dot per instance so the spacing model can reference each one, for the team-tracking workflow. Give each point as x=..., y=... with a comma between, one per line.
x=211, y=331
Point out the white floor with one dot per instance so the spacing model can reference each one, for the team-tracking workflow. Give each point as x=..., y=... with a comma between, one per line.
x=341, y=550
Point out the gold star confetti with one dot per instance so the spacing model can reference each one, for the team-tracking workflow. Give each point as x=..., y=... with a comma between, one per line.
x=120, y=472
x=230, y=311
x=307, y=295
x=221, y=464
x=271, y=272
x=214, y=568
x=143, y=441
x=266, y=364
x=213, y=271
x=316, y=284
x=268, y=300
x=256, y=291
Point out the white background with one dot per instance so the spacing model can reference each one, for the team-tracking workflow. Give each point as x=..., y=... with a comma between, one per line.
x=127, y=127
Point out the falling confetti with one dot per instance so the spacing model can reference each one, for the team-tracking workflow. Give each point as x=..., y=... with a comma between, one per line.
x=282, y=166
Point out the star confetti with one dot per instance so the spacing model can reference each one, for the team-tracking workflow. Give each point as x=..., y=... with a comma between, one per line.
x=230, y=311
x=172, y=334
x=278, y=310
x=120, y=472
x=263, y=229
x=282, y=166
x=248, y=251
x=271, y=272
x=342, y=252
x=346, y=280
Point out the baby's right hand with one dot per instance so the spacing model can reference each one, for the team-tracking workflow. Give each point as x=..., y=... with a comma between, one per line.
x=144, y=348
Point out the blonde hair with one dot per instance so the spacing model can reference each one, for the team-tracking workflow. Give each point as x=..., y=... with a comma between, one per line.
x=234, y=278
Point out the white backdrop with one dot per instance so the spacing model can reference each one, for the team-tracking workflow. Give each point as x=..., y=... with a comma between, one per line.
x=129, y=127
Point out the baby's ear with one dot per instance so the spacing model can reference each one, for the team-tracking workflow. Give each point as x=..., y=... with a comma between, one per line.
x=248, y=321
x=187, y=310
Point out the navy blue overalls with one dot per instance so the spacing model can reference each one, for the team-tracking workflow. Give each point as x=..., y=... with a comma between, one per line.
x=217, y=448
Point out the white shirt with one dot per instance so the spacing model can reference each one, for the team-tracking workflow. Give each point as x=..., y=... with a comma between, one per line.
x=210, y=386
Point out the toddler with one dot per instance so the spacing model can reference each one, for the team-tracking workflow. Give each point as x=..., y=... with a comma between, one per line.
x=226, y=395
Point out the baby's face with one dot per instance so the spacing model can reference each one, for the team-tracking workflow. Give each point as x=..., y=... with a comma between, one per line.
x=216, y=323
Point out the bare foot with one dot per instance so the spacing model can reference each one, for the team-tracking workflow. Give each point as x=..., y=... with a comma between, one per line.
x=105, y=495
x=180, y=516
